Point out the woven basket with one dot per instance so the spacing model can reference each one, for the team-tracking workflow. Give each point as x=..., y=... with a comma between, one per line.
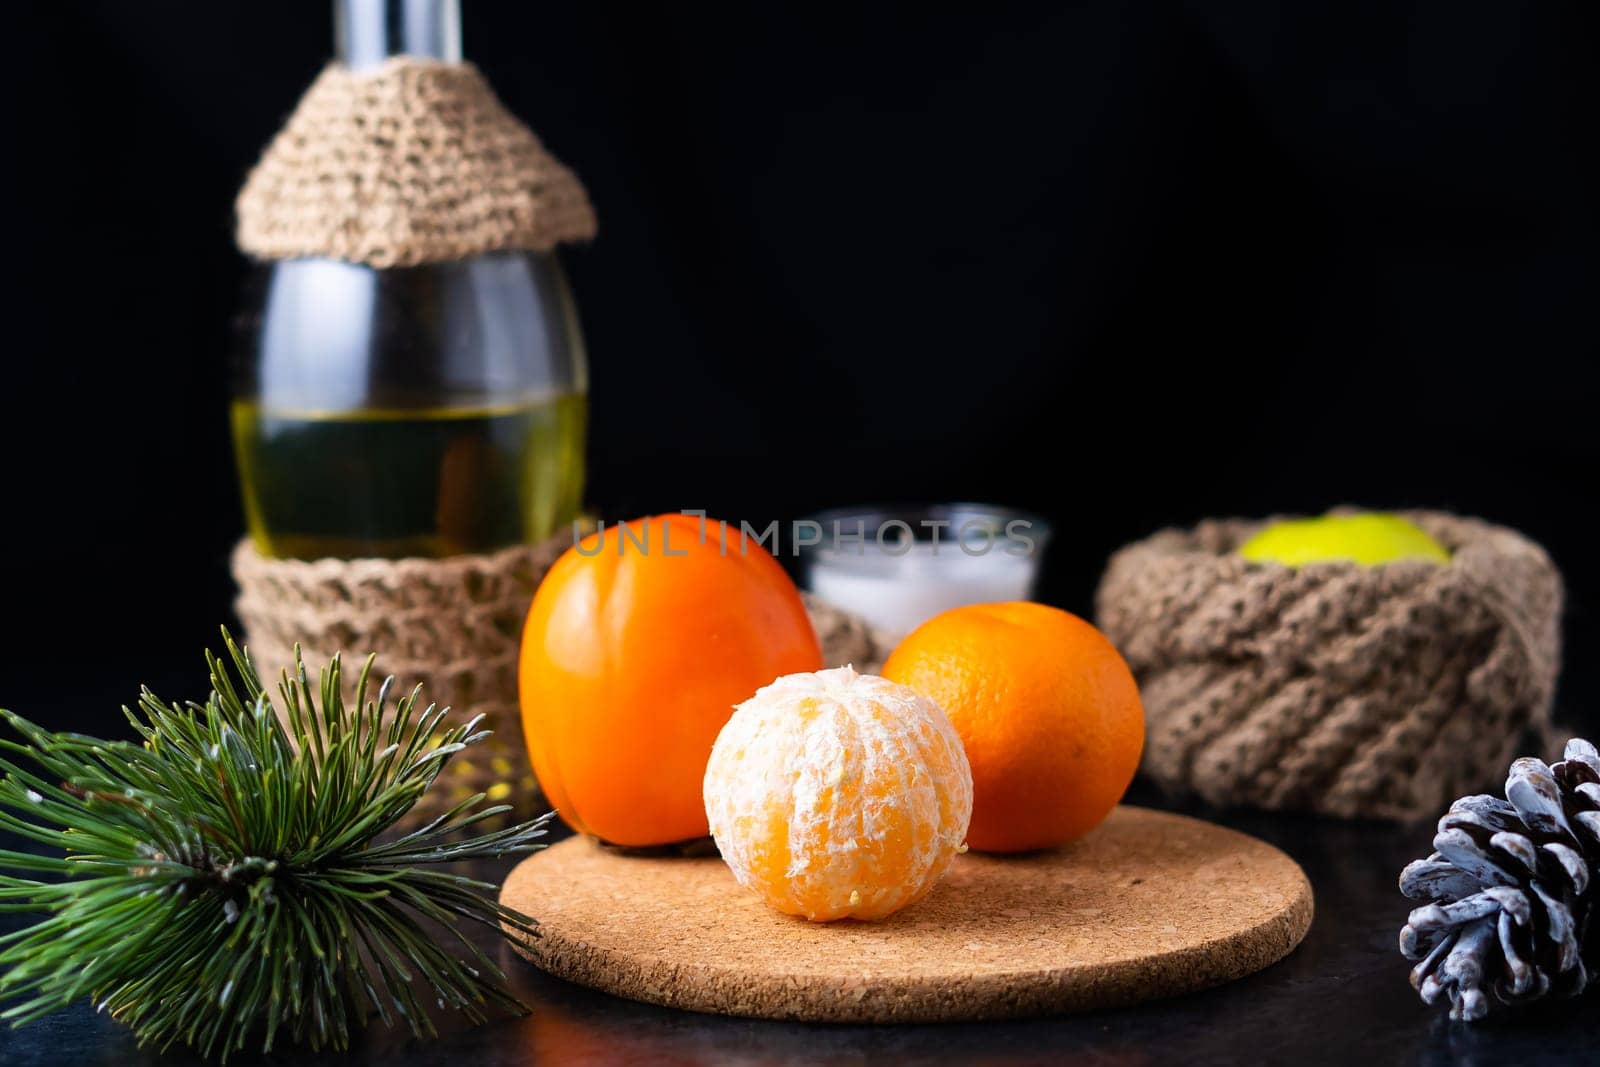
x=1347, y=690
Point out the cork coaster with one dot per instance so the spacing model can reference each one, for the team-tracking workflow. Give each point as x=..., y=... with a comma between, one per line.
x=1148, y=905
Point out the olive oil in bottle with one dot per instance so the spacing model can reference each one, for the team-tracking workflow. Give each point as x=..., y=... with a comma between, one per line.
x=423, y=410
x=396, y=483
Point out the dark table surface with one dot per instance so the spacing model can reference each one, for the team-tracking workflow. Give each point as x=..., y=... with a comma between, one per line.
x=1341, y=997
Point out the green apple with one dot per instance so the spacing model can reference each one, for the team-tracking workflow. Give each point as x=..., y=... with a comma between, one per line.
x=1367, y=538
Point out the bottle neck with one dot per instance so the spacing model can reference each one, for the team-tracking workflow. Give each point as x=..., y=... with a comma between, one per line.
x=370, y=31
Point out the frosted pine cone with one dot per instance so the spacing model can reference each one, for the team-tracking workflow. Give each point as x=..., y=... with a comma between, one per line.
x=1509, y=889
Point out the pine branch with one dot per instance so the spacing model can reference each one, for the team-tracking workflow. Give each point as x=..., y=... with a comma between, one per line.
x=219, y=884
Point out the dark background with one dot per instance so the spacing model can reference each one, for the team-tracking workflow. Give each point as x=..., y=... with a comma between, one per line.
x=1125, y=264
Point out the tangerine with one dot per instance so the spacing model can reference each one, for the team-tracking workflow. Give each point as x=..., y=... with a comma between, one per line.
x=835, y=794
x=1046, y=708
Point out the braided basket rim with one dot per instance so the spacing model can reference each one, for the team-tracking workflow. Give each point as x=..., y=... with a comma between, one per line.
x=1217, y=642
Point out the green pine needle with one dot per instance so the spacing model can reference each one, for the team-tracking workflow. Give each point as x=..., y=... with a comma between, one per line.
x=222, y=884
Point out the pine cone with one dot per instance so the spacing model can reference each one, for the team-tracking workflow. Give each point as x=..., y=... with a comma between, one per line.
x=1509, y=884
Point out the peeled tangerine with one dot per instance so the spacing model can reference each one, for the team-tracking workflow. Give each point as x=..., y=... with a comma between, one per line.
x=838, y=795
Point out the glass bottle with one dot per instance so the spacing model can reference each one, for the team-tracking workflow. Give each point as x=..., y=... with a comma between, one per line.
x=410, y=411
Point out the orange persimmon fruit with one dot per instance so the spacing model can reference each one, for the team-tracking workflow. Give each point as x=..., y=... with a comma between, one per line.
x=639, y=642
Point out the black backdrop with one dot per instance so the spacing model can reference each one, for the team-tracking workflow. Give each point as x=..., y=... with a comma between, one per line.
x=1127, y=264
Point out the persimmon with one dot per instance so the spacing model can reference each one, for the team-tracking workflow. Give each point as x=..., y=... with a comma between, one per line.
x=639, y=642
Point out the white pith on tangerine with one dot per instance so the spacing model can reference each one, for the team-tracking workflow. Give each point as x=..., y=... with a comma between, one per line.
x=838, y=794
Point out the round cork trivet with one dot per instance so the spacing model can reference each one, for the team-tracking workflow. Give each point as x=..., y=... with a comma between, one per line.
x=1148, y=905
